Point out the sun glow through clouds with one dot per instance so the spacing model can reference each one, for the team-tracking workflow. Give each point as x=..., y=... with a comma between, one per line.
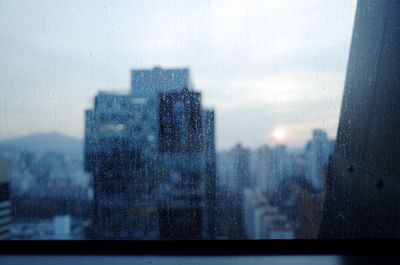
x=279, y=135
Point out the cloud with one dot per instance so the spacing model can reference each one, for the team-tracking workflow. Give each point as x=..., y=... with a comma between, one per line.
x=259, y=63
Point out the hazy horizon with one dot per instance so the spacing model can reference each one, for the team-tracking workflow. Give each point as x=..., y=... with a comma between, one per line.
x=55, y=133
x=261, y=65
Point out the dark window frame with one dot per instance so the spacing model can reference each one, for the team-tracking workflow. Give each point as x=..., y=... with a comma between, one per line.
x=368, y=247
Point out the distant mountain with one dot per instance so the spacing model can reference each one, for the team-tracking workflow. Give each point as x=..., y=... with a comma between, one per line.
x=45, y=142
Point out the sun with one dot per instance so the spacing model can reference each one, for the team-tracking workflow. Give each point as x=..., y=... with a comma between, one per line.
x=279, y=135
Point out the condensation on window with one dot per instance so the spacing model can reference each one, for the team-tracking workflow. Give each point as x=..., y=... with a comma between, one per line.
x=173, y=119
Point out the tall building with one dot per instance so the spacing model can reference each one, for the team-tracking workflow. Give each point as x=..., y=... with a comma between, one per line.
x=263, y=168
x=263, y=221
x=150, y=159
x=120, y=153
x=180, y=118
x=255, y=208
x=310, y=204
x=281, y=165
x=5, y=200
x=182, y=211
x=271, y=167
x=363, y=174
x=158, y=80
x=210, y=164
x=225, y=179
x=317, y=155
x=241, y=167
x=238, y=177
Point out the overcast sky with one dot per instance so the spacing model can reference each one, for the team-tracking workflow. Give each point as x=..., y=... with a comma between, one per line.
x=260, y=64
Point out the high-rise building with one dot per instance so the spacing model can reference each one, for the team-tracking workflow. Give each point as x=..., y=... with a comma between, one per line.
x=158, y=80
x=150, y=159
x=362, y=182
x=280, y=166
x=263, y=166
x=182, y=211
x=263, y=221
x=120, y=153
x=241, y=167
x=255, y=206
x=238, y=178
x=225, y=179
x=271, y=167
x=317, y=155
x=180, y=122
x=62, y=227
x=5, y=200
x=310, y=204
x=210, y=170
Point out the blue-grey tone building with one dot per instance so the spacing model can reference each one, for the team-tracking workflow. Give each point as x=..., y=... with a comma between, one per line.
x=241, y=174
x=363, y=174
x=158, y=80
x=120, y=153
x=5, y=199
x=317, y=154
x=182, y=212
x=210, y=162
x=146, y=153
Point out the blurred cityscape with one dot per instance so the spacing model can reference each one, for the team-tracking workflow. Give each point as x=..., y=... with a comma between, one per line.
x=148, y=169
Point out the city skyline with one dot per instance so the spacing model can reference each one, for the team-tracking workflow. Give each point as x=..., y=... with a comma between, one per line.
x=229, y=133
x=272, y=64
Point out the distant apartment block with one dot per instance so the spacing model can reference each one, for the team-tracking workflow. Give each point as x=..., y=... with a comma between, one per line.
x=5, y=200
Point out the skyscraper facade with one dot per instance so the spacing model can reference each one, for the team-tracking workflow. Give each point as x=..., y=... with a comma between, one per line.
x=263, y=168
x=210, y=164
x=158, y=80
x=149, y=160
x=241, y=164
x=5, y=199
x=120, y=154
x=317, y=156
x=182, y=211
x=363, y=185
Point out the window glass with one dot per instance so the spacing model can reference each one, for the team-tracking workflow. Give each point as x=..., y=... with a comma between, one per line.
x=169, y=119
